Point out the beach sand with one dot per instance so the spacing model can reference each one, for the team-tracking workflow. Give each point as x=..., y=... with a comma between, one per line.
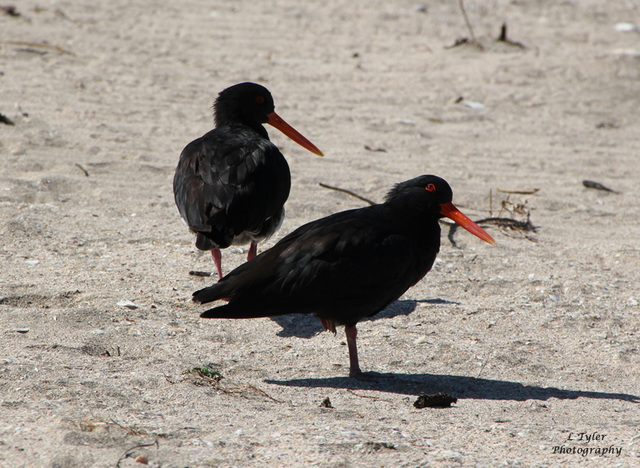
x=537, y=337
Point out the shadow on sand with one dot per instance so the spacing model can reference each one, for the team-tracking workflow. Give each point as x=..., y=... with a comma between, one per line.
x=307, y=326
x=457, y=385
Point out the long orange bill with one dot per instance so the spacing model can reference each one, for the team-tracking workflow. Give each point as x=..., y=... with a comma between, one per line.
x=450, y=211
x=277, y=121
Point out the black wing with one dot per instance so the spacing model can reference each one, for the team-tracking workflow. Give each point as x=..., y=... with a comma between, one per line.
x=347, y=266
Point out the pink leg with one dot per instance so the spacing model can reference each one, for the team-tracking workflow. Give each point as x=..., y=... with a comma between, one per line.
x=217, y=259
x=354, y=367
x=329, y=325
x=253, y=250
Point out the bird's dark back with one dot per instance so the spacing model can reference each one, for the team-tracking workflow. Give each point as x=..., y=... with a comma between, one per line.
x=346, y=267
x=229, y=181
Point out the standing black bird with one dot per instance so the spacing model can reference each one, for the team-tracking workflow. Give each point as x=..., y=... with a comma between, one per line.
x=347, y=266
x=231, y=184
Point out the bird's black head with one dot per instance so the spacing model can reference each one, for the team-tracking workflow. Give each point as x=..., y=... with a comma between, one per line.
x=246, y=103
x=428, y=192
x=430, y=197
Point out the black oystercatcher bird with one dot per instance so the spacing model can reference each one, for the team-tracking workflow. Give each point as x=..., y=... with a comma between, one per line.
x=231, y=184
x=347, y=266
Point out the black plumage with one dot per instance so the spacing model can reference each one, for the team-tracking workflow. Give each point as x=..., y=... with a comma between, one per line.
x=231, y=184
x=347, y=266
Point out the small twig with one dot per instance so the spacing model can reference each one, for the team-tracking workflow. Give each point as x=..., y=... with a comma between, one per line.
x=469, y=27
x=38, y=45
x=242, y=391
x=367, y=396
x=509, y=222
x=503, y=38
x=263, y=393
x=86, y=173
x=172, y=382
x=129, y=431
x=375, y=150
x=503, y=207
x=348, y=192
x=362, y=396
x=126, y=454
x=484, y=364
x=519, y=191
x=499, y=221
x=200, y=273
x=490, y=202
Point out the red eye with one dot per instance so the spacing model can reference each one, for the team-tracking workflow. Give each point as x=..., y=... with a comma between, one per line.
x=430, y=188
x=260, y=99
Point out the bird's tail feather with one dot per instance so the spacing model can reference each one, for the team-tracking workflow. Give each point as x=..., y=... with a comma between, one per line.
x=211, y=293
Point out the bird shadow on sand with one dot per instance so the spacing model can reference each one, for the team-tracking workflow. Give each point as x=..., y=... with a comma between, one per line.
x=457, y=385
x=307, y=326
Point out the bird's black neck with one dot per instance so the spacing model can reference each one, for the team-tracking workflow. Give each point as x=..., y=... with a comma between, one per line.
x=223, y=119
x=414, y=220
x=229, y=110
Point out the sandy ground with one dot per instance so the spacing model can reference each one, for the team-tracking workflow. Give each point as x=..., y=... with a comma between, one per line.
x=538, y=337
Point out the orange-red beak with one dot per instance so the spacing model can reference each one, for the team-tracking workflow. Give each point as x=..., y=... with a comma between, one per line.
x=276, y=121
x=450, y=211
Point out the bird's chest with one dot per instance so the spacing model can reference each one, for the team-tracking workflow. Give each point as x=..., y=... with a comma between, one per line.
x=424, y=250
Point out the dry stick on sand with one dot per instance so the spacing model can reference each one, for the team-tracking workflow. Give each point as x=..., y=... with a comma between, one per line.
x=348, y=192
x=38, y=45
x=469, y=27
x=242, y=391
x=510, y=223
x=128, y=452
x=86, y=173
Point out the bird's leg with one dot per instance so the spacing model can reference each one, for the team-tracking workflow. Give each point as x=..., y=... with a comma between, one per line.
x=328, y=325
x=354, y=368
x=253, y=250
x=217, y=259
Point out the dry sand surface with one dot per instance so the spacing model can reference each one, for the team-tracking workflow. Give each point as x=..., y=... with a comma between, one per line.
x=537, y=337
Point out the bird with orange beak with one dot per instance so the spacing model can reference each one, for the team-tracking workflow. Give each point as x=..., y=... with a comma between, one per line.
x=347, y=266
x=231, y=184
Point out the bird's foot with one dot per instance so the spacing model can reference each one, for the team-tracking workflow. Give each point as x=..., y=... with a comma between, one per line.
x=361, y=376
x=329, y=325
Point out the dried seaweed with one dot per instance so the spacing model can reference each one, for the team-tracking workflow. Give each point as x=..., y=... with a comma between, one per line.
x=597, y=185
x=6, y=120
x=436, y=400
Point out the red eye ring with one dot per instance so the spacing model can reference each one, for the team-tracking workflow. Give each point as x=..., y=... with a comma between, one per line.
x=430, y=188
x=259, y=99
